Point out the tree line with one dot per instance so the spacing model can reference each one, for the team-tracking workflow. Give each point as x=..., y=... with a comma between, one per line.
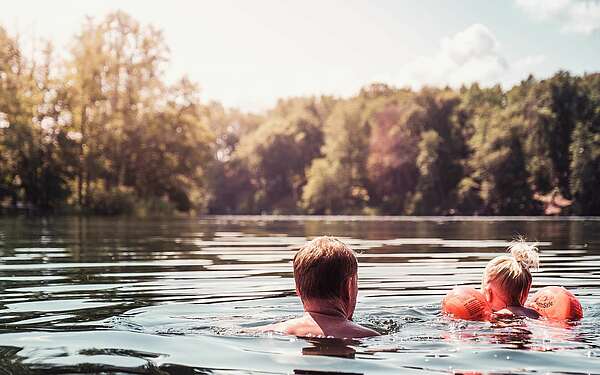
x=99, y=130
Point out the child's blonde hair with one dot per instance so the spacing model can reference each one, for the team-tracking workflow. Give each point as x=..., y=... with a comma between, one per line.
x=512, y=271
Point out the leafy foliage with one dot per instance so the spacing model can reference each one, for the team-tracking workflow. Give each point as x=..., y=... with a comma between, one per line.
x=101, y=131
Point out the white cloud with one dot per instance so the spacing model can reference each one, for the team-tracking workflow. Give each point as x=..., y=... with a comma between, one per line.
x=578, y=16
x=472, y=55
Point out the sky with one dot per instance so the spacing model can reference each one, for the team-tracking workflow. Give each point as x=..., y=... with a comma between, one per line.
x=247, y=54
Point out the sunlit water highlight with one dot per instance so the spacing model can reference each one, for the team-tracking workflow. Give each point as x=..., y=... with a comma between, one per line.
x=180, y=296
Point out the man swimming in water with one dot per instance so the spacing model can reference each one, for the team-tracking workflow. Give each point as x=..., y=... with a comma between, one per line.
x=326, y=276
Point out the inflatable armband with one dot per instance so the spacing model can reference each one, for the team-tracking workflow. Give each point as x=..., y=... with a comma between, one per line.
x=556, y=303
x=466, y=303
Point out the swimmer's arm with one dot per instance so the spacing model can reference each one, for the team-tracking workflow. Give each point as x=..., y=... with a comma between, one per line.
x=288, y=327
x=357, y=331
x=276, y=327
x=370, y=333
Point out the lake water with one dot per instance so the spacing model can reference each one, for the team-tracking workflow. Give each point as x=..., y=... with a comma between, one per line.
x=176, y=296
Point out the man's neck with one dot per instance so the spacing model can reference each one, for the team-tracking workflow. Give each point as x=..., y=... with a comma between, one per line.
x=331, y=309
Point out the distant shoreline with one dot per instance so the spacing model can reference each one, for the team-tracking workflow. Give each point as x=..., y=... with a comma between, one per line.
x=343, y=218
x=299, y=217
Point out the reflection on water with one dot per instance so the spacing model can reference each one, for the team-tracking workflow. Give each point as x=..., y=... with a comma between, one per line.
x=330, y=347
x=180, y=296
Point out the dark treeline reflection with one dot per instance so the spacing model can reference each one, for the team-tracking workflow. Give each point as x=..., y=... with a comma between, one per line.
x=99, y=130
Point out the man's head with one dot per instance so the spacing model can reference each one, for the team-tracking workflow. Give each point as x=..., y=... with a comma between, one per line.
x=326, y=269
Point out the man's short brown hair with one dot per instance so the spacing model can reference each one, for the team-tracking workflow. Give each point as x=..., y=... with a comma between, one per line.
x=322, y=268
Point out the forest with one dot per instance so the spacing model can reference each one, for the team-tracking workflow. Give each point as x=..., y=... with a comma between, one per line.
x=98, y=129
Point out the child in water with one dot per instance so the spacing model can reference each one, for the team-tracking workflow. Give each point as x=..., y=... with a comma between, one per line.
x=326, y=276
x=507, y=280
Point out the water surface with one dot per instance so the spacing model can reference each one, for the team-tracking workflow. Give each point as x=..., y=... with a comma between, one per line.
x=180, y=295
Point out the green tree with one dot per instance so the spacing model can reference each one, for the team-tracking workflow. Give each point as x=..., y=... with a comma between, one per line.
x=138, y=138
x=585, y=152
x=441, y=153
x=499, y=180
x=344, y=163
x=393, y=150
x=33, y=167
x=478, y=107
x=229, y=178
x=550, y=110
x=278, y=153
x=15, y=120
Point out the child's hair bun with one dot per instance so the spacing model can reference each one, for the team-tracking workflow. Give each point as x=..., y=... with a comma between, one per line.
x=524, y=253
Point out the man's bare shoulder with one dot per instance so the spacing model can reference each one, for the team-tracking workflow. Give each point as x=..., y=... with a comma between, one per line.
x=306, y=327
x=359, y=331
x=296, y=327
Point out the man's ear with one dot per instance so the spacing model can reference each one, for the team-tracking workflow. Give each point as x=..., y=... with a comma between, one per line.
x=350, y=286
x=349, y=283
x=353, y=283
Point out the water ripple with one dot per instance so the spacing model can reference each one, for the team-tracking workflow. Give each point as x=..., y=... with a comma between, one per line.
x=183, y=295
